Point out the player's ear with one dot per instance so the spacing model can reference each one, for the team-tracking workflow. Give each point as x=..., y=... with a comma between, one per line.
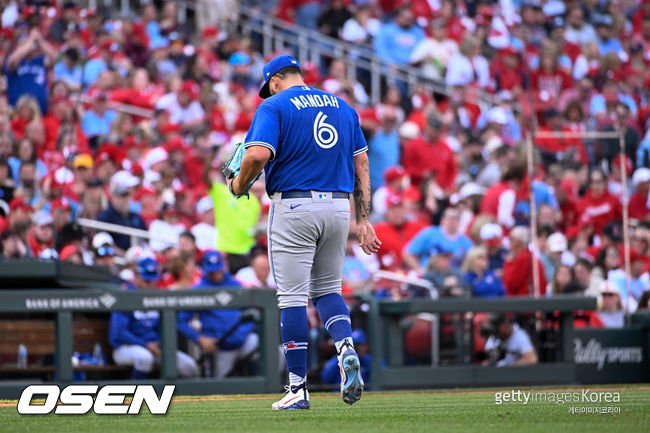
x=273, y=85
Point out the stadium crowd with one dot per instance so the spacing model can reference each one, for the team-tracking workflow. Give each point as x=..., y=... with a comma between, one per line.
x=128, y=120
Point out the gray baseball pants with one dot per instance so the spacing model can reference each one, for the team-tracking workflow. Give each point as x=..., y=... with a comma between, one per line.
x=307, y=238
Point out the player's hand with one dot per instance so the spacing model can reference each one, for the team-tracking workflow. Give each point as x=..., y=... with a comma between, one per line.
x=234, y=186
x=208, y=344
x=368, y=240
x=154, y=348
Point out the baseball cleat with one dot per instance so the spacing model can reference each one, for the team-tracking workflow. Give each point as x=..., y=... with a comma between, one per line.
x=351, y=381
x=297, y=397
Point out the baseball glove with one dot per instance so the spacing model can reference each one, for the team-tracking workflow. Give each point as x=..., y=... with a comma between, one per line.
x=232, y=167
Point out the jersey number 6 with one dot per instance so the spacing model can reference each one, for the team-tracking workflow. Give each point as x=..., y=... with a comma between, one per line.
x=325, y=134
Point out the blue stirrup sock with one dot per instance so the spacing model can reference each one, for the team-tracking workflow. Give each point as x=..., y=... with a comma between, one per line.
x=294, y=330
x=335, y=315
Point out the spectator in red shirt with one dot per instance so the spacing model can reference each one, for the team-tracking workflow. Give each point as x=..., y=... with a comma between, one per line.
x=41, y=235
x=549, y=80
x=500, y=199
x=430, y=154
x=395, y=233
x=557, y=149
x=507, y=71
x=518, y=267
x=61, y=116
x=27, y=110
x=639, y=206
x=598, y=206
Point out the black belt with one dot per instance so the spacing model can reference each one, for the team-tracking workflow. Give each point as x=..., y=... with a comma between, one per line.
x=307, y=194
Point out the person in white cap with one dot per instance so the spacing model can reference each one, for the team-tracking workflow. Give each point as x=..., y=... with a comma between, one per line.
x=118, y=211
x=639, y=206
x=102, y=239
x=205, y=231
x=41, y=235
x=469, y=204
x=104, y=251
x=610, y=311
x=491, y=235
x=558, y=253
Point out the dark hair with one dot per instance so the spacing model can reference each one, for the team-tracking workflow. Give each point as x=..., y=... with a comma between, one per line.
x=574, y=104
x=599, y=171
x=72, y=54
x=289, y=70
x=545, y=230
x=188, y=234
x=602, y=255
x=501, y=151
x=643, y=301
x=515, y=172
x=5, y=163
x=17, y=147
x=584, y=262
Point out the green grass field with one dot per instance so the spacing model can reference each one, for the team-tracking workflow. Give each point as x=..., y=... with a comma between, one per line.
x=402, y=412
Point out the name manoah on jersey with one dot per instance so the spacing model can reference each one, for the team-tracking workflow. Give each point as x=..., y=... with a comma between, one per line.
x=313, y=137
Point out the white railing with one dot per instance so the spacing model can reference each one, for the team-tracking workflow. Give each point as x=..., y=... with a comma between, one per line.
x=134, y=233
x=310, y=45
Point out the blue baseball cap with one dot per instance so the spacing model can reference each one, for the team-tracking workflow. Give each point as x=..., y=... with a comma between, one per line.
x=148, y=269
x=359, y=336
x=212, y=261
x=272, y=67
x=239, y=58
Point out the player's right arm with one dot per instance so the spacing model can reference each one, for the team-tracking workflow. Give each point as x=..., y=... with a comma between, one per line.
x=368, y=240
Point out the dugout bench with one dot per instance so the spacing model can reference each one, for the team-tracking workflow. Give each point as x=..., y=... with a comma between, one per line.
x=64, y=303
x=38, y=335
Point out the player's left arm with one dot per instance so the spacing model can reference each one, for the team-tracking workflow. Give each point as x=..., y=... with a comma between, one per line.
x=368, y=240
x=253, y=163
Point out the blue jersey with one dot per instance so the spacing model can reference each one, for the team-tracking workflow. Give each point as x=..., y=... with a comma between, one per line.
x=137, y=327
x=313, y=136
x=216, y=323
x=29, y=77
x=428, y=240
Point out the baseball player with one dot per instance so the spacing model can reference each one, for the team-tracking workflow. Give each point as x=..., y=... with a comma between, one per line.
x=135, y=337
x=313, y=152
x=216, y=323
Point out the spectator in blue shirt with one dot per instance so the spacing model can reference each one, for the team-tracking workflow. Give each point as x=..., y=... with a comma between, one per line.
x=152, y=27
x=397, y=39
x=99, y=119
x=118, y=211
x=221, y=333
x=384, y=149
x=68, y=69
x=429, y=240
x=94, y=67
x=484, y=282
x=606, y=42
x=26, y=69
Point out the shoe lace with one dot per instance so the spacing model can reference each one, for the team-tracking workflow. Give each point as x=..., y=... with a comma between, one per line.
x=295, y=388
x=344, y=345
